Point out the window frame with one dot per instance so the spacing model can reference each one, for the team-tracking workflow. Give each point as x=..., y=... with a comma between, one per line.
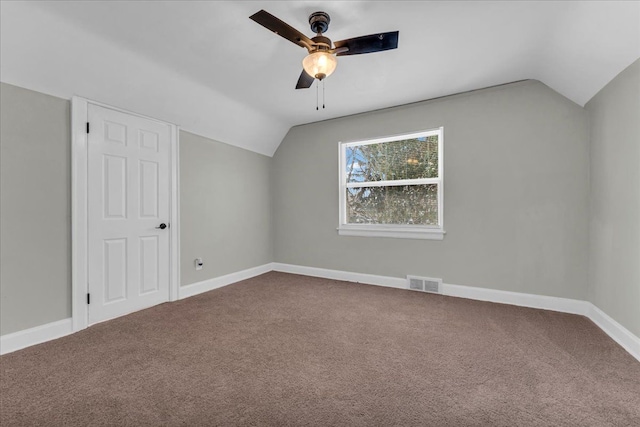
x=433, y=232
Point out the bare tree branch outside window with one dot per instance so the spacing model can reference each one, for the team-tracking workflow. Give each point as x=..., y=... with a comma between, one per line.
x=395, y=202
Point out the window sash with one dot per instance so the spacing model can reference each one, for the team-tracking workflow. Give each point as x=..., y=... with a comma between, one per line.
x=392, y=225
x=393, y=183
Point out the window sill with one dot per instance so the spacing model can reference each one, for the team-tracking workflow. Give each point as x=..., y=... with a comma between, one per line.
x=393, y=232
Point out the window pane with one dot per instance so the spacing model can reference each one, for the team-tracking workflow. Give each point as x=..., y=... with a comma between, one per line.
x=403, y=204
x=404, y=159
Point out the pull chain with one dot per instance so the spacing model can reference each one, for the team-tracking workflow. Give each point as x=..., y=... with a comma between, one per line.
x=323, y=94
x=318, y=94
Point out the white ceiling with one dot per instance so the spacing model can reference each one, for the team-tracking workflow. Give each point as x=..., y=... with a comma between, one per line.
x=208, y=68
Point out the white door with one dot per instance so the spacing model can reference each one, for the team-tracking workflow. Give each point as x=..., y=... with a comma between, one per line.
x=128, y=201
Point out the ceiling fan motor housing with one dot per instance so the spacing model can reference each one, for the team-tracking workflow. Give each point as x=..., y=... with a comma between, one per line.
x=322, y=42
x=319, y=22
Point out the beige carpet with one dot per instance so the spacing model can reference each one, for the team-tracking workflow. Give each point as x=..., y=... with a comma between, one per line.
x=283, y=350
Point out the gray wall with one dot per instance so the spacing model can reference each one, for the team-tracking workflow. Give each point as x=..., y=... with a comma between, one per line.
x=225, y=208
x=614, y=273
x=35, y=209
x=516, y=199
x=515, y=202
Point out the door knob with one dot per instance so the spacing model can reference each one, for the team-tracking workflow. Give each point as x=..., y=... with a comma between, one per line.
x=162, y=226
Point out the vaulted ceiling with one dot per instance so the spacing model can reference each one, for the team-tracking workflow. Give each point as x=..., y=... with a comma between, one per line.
x=208, y=68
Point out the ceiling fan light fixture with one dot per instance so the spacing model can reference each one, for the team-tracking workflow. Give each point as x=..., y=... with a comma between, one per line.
x=320, y=64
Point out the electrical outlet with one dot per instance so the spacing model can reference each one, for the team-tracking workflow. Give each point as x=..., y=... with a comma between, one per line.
x=198, y=262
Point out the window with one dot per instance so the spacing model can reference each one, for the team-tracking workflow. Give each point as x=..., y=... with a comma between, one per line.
x=392, y=187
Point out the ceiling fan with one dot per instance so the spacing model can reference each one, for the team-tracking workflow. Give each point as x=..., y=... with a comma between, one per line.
x=321, y=60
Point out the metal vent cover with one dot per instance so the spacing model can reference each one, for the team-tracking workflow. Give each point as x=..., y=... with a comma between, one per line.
x=432, y=286
x=416, y=284
x=424, y=284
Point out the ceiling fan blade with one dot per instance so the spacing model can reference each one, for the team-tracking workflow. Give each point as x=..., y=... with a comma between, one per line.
x=305, y=81
x=368, y=44
x=281, y=28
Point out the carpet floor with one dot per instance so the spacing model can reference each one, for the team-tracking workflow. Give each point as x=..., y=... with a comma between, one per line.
x=285, y=350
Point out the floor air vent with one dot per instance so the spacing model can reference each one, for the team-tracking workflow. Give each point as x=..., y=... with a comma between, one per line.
x=424, y=284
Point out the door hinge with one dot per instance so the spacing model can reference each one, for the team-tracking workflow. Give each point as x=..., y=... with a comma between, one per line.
x=88, y=298
x=87, y=127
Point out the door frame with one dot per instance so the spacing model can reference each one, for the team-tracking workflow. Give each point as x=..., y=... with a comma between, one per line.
x=79, y=208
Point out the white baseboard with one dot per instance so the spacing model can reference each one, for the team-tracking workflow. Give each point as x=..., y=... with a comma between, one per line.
x=218, y=282
x=628, y=341
x=50, y=331
x=369, y=279
x=563, y=305
x=28, y=337
x=616, y=331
